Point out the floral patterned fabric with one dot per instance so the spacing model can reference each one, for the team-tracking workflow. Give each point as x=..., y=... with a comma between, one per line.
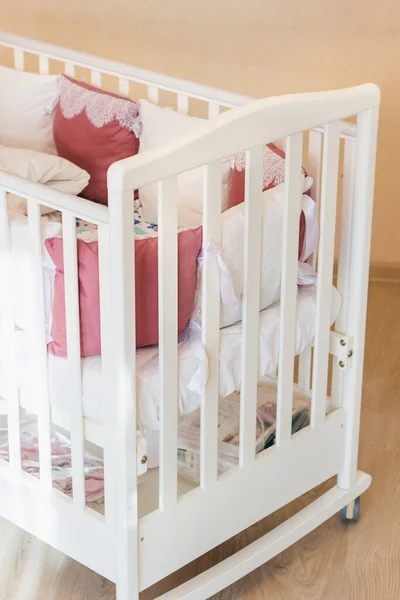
x=61, y=464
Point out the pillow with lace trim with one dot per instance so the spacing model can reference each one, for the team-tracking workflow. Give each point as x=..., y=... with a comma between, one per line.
x=93, y=129
x=274, y=173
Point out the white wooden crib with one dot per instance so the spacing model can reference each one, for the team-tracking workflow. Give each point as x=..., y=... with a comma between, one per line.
x=137, y=551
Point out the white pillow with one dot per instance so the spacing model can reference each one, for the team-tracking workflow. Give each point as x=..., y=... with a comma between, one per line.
x=159, y=127
x=53, y=171
x=232, y=251
x=27, y=103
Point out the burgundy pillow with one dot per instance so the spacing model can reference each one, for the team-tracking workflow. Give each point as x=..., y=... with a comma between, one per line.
x=274, y=174
x=93, y=129
x=146, y=265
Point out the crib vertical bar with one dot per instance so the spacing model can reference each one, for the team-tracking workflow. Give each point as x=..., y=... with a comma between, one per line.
x=69, y=69
x=19, y=59
x=364, y=179
x=287, y=336
x=330, y=168
x=106, y=370
x=210, y=324
x=168, y=335
x=43, y=64
x=96, y=78
x=74, y=357
x=183, y=103
x=4, y=269
x=123, y=378
x=315, y=159
x=314, y=170
x=305, y=362
x=124, y=87
x=153, y=94
x=8, y=331
x=251, y=304
x=213, y=110
x=343, y=273
x=40, y=334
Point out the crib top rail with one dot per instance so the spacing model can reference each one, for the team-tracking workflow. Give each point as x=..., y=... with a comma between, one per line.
x=118, y=69
x=244, y=127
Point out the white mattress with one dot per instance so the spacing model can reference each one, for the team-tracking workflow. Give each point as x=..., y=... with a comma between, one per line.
x=192, y=365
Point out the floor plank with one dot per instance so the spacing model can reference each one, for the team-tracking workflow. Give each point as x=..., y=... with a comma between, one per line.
x=335, y=562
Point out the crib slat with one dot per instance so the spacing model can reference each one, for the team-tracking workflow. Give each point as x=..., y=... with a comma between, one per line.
x=325, y=270
x=213, y=110
x=96, y=78
x=183, y=104
x=69, y=69
x=314, y=170
x=74, y=357
x=43, y=64
x=344, y=258
x=210, y=325
x=19, y=59
x=44, y=415
x=153, y=94
x=124, y=87
x=168, y=334
x=293, y=189
x=315, y=160
x=305, y=363
x=122, y=250
x=251, y=303
x=106, y=370
x=8, y=331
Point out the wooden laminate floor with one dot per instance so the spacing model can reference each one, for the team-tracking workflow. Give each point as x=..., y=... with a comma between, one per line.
x=335, y=562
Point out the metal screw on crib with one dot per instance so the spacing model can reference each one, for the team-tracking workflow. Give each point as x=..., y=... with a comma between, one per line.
x=342, y=342
x=144, y=460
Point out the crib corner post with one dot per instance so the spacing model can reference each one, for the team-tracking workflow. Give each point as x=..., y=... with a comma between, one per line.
x=123, y=382
x=366, y=140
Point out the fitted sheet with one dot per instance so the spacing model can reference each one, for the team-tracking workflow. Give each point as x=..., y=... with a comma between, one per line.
x=193, y=365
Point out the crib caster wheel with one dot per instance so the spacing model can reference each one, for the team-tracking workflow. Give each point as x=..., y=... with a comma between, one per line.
x=351, y=513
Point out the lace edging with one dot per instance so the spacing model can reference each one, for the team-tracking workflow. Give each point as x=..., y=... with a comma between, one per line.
x=100, y=109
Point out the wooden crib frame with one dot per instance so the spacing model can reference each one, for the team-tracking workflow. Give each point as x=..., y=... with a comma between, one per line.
x=138, y=552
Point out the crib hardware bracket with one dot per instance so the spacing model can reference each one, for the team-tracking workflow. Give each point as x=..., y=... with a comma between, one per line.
x=141, y=454
x=341, y=346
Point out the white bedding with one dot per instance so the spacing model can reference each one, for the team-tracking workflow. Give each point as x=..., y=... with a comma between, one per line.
x=192, y=365
x=192, y=359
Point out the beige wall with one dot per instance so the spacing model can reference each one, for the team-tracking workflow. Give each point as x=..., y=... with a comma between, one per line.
x=255, y=47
